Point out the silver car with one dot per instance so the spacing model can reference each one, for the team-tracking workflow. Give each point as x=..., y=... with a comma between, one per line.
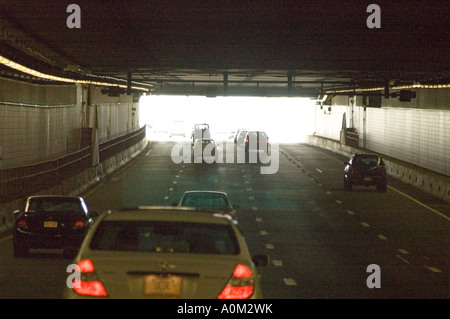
x=162, y=253
x=213, y=201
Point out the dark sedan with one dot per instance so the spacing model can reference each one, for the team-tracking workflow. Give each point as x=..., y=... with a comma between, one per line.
x=51, y=222
x=367, y=170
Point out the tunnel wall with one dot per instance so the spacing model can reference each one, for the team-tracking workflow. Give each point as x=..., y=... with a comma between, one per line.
x=37, y=122
x=43, y=122
x=40, y=123
x=402, y=130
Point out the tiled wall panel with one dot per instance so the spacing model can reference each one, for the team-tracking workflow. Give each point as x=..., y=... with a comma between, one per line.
x=418, y=135
x=39, y=123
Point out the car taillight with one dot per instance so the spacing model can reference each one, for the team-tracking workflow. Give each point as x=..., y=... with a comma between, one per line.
x=88, y=285
x=241, y=284
x=79, y=224
x=22, y=224
x=246, y=140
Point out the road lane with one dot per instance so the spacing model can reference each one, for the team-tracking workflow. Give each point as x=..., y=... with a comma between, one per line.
x=321, y=239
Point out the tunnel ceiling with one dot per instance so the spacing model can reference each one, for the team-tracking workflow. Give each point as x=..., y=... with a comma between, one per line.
x=303, y=48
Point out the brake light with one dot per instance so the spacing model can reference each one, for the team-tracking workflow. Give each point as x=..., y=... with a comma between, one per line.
x=89, y=285
x=241, y=284
x=22, y=224
x=246, y=140
x=79, y=224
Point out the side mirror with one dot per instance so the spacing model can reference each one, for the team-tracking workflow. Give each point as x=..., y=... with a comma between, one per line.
x=260, y=260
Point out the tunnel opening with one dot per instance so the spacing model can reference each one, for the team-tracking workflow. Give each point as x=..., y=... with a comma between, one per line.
x=284, y=119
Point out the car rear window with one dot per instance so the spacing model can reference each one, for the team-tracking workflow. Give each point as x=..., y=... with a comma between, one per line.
x=162, y=236
x=205, y=201
x=57, y=205
x=368, y=160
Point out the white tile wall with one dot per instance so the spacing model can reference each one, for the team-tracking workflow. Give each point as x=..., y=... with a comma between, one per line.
x=37, y=131
x=420, y=136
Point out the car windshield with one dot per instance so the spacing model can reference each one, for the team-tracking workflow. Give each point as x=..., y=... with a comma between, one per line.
x=61, y=205
x=205, y=201
x=368, y=160
x=164, y=236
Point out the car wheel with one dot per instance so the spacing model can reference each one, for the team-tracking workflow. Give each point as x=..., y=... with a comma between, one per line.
x=20, y=251
x=381, y=187
x=347, y=185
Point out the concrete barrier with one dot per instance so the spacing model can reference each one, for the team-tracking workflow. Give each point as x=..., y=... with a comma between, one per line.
x=428, y=181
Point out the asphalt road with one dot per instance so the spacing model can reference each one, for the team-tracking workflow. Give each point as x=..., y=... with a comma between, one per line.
x=323, y=242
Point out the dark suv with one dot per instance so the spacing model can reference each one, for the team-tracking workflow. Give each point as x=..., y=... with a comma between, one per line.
x=365, y=169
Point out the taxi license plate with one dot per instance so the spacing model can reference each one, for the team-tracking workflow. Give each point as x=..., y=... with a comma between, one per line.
x=167, y=286
x=50, y=224
x=367, y=179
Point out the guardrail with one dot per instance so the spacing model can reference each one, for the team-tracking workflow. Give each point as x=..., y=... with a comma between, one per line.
x=19, y=182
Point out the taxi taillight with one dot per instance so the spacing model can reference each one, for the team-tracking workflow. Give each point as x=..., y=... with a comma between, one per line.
x=241, y=284
x=88, y=285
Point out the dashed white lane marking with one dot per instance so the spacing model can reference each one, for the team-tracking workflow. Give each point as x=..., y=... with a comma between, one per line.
x=434, y=269
x=277, y=262
x=174, y=182
x=403, y=251
x=328, y=192
x=5, y=238
x=402, y=259
x=251, y=197
x=166, y=197
x=350, y=212
x=338, y=201
x=382, y=237
x=254, y=208
x=365, y=224
x=170, y=189
x=269, y=246
x=146, y=154
x=259, y=220
x=263, y=232
x=290, y=282
x=319, y=170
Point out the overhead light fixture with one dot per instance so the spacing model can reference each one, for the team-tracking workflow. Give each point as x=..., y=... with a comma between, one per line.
x=24, y=69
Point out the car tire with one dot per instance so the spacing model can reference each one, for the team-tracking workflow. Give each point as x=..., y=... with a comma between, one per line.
x=21, y=251
x=347, y=185
x=381, y=187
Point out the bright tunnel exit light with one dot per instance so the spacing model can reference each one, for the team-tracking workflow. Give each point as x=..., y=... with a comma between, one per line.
x=284, y=119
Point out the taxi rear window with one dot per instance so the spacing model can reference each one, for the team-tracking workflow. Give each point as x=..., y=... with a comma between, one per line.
x=162, y=236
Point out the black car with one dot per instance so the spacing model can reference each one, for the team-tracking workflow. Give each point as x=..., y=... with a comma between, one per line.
x=365, y=169
x=51, y=222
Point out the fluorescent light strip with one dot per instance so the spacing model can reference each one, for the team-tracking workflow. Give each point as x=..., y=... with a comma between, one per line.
x=38, y=74
x=413, y=86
